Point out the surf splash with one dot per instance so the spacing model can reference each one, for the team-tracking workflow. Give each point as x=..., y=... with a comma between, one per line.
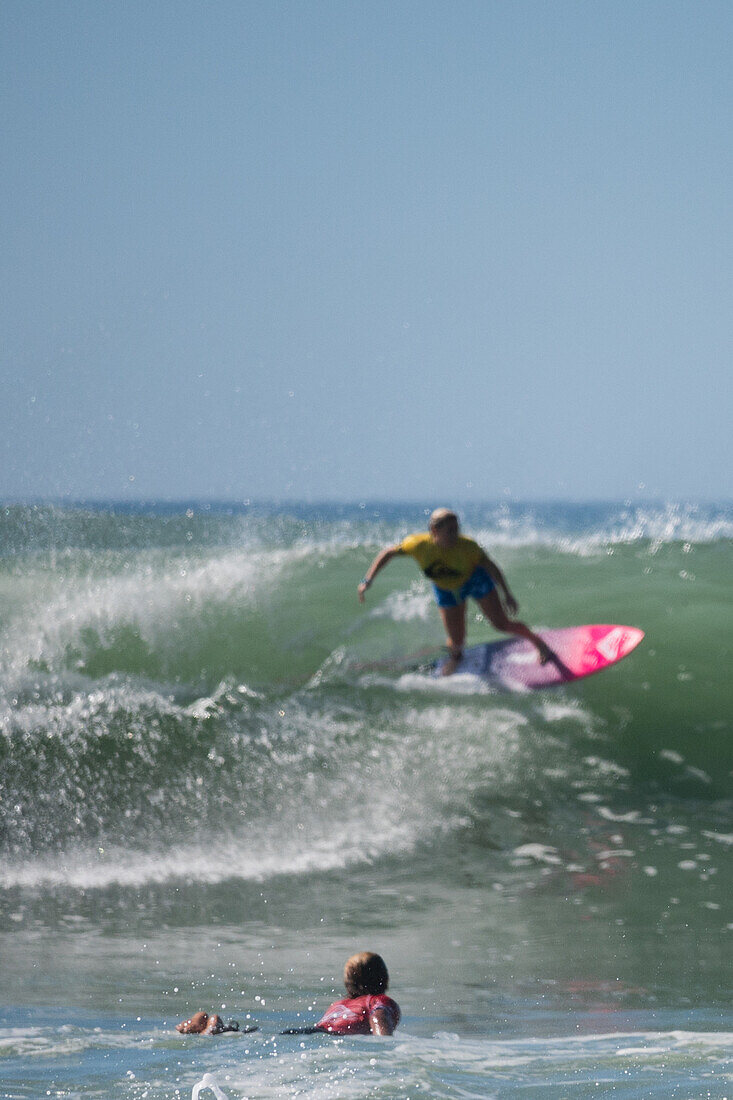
x=163, y=674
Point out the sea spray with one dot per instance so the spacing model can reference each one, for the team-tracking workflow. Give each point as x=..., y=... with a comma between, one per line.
x=208, y=1081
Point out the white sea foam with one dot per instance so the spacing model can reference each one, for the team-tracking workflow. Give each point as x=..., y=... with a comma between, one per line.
x=561, y=712
x=461, y=683
x=578, y=530
x=632, y=817
x=721, y=838
x=453, y=1065
x=407, y=606
x=249, y=858
x=540, y=853
x=447, y=1063
x=403, y=786
x=656, y=524
x=68, y=711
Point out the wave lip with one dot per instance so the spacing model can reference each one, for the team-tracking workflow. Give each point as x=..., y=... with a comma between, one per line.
x=152, y=603
x=585, y=529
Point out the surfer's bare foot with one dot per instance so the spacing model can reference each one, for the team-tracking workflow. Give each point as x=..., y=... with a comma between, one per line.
x=451, y=664
x=201, y=1023
x=548, y=656
x=196, y=1025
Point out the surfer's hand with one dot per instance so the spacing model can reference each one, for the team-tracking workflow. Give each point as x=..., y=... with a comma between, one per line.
x=511, y=604
x=362, y=590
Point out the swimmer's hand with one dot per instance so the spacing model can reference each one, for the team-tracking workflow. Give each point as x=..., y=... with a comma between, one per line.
x=362, y=589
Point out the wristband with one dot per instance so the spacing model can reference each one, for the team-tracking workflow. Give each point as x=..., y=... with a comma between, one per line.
x=365, y=581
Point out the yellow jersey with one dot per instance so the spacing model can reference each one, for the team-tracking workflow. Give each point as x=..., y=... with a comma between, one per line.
x=446, y=568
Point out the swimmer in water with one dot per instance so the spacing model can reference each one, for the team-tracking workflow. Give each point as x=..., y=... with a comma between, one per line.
x=366, y=1010
x=458, y=568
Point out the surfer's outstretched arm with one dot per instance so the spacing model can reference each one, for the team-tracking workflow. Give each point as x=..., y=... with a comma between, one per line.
x=379, y=563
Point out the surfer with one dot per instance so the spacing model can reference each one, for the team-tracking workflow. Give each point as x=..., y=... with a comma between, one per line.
x=458, y=568
x=367, y=1010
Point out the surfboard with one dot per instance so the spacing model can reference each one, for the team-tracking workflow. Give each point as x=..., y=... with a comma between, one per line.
x=513, y=664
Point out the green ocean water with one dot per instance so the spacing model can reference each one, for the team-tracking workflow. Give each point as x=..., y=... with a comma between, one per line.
x=220, y=775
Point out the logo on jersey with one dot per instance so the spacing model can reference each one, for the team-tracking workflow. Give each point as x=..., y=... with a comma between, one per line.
x=438, y=571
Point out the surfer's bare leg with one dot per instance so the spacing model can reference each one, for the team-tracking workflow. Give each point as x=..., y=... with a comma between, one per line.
x=454, y=623
x=492, y=608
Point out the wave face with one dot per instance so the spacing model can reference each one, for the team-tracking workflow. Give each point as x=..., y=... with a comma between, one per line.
x=166, y=673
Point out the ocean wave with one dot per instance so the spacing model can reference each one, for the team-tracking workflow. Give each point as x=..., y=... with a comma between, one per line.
x=135, y=611
x=450, y=1065
x=53, y=529
x=144, y=691
x=588, y=531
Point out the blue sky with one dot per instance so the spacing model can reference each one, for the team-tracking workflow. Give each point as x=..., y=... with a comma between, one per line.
x=341, y=250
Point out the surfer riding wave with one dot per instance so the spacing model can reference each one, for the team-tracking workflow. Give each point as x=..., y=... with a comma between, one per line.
x=459, y=568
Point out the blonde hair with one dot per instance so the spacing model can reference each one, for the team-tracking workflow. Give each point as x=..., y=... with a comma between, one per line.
x=365, y=973
x=439, y=517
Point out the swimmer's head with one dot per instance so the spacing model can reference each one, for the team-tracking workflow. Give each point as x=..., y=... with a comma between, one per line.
x=365, y=973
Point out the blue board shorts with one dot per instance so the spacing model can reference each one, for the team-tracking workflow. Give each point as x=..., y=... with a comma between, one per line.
x=478, y=584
